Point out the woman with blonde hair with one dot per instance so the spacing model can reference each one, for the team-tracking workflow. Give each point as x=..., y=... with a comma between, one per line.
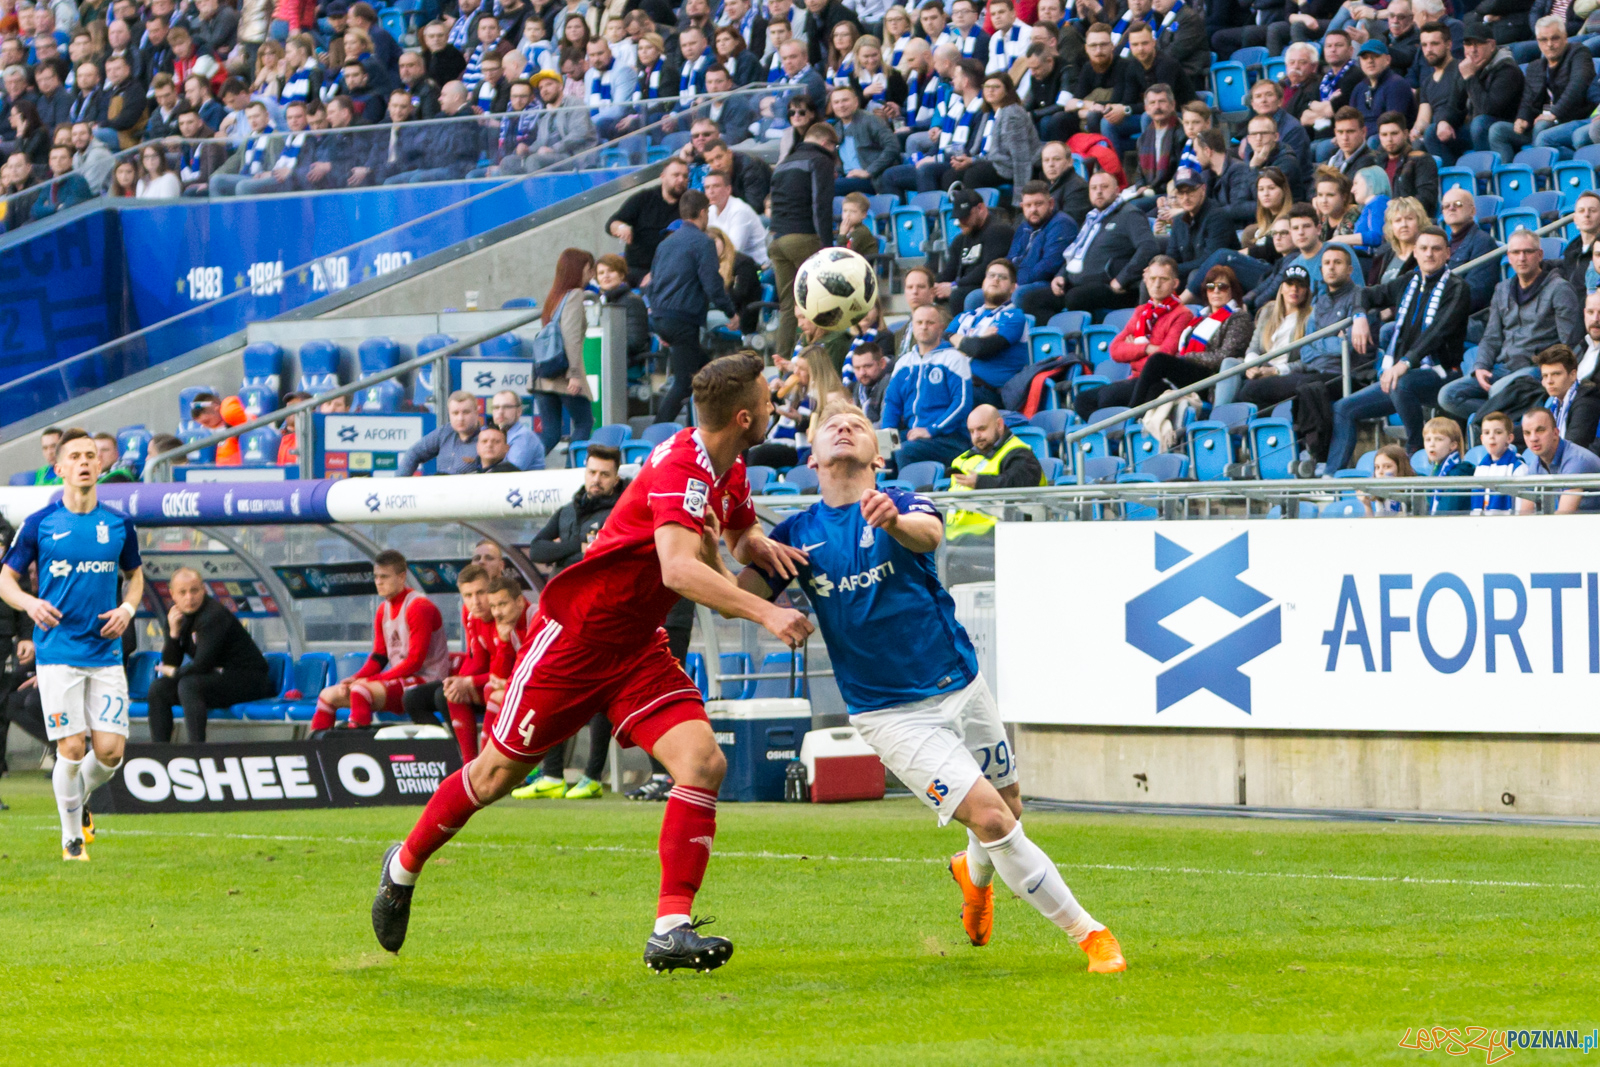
x=1402, y=221
x=896, y=34
x=841, y=46
x=880, y=85
x=268, y=80
x=1281, y=323
x=740, y=276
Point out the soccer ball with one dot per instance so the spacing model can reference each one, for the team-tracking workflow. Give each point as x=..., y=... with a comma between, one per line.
x=835, y=288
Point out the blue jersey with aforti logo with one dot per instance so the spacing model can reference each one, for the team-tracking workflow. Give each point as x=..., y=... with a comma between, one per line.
x=79, y=558
x=890, y=627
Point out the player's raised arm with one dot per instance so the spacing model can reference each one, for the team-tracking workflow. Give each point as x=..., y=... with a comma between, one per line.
x=918, y=530
x=685, y=573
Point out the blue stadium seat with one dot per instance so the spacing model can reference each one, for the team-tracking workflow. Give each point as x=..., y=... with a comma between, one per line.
x=1097, y=344
x=1513, y=183
x=1054, y=423
x=1234, y=416
x=1512, y=219
x=270, y=708
x=931, y=203
x=506, y=346
x=736, y=663
x=1539, y=160
x=634, y=450
x=1071, y=324
x=1045, y=343
x=1138, y=446
x=205, y=455
x=141, y=671
x=910, y=236
x=433, y=342
x=694, y=664
x=921, y=475
x=882, y=206
x=1589, y=153
x=1099, y=470
x=1231, y=83
x=380, y=398
x=1272, y=447
x=1250, y=57
x=804, y=478
x=1117, y=319
x=1035, y=439
x=1133, y=510
x=777, y=665
x=1112, y=432
x=347, y=664
x=258, y=400
x=313, y=672
x=422, y=387
x=133, y=445
x=1274, y=68
x=186, y=400
x=1572, y=179
x=319, y=357
x=1489, y=206
x=259, y=447
x=1365, y=461
x=613, y=434
x=1210, y=450
x=1343, y=509
x=1166, y=466
x=1482, y=165
x=1053, y=469
x=1546, y=203
x=1090, y=446
x=758, y=477
x=263, y=365
x=393, y=21
x=377, y=354
x=1457, y=178
x=991, y=196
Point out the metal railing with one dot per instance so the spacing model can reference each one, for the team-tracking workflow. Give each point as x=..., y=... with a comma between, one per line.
x=1335, y=329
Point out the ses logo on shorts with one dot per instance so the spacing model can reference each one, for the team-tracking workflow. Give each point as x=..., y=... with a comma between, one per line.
x=937, y=791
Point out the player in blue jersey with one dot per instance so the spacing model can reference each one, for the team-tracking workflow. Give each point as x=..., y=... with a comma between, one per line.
x=909, y=675
x=81, y=548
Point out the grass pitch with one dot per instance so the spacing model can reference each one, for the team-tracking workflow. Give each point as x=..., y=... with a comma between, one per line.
x=244, y=939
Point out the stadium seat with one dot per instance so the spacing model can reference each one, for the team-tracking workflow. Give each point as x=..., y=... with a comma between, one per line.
x=1097, y=345
x=1250, y=58
x=1117, y=319
x=1115, y=431
x=433, y=342
x=22, y=478
x=1513, y=183
x=921, y=475
x=1489, y=206
x=1054, y=423
x=1364, y=462
x=394, y=22
x=1274, y=68
x=1166, y=466
x=694, y=664
x=1053, y=469
x=190, y=436
x=1210, y=450
x=1343, y=509
x=1044, y=344
x=1457, y=178
x=520, y=303
x=1589, y=153
x=1090, y=446
x=930, y=203
x=258, y=400
x=1138, y=446
x=1512, y=219
x=259, y=447
x=758, y=477
x=319, y=357
x=1231, y=83
x=1571, y=179
x=133, y=445
x=1035, y=439
x=1234, y=416
x=803, y=478
x=1482, y=165
x=377, y=354
x=347, y=664
x=263, y=365
x=1098, y=470
x=1546, y=202
x=141, y=672
x=1538, y=159
x=186, y=400
x=882, y=206
x=506, y=346
x=777, y=665
x=380, y=398
x=270, y=708
x=1272, y=448
x=736, y=663
x=635, y=449
x=910, y=237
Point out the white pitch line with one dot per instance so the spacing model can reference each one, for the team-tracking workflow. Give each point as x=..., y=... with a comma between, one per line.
x=1210, y=872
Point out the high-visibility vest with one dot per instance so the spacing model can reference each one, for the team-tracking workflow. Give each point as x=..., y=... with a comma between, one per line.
x=966, y=523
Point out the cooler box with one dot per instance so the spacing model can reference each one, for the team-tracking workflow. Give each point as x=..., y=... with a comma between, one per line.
x=841, y=766
x=760, y=738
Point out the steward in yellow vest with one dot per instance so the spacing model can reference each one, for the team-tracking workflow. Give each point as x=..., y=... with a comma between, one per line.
x=997, y=460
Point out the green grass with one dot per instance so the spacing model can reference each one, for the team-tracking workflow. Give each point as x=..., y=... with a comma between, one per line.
x=242, y=939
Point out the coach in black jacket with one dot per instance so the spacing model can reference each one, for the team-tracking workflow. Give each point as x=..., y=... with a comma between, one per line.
x=563, y=539
x=224, y=665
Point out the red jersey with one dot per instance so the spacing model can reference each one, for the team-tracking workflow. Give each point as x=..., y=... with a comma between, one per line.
x=614, y=595
x=407, y=641
x=503, y=654
x=477, y=642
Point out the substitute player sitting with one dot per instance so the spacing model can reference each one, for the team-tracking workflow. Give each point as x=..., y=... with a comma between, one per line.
x=460, y=697
x=408, y=649
x=597, y=645
x=513, y=619
x=80, y=548
x=909, y=675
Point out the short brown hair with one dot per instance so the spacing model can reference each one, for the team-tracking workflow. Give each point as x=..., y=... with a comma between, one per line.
x=472, y=572
x=722, y=388
x=823, y=134
x=1348, y=114
x=390, y=560
x=1443, y=424
x=605, y=452
x=103, y=436
x=1497, y=416
x=692, y=204
x=1554, y=354
x=610, y=260
x=1433, y=231
x=506, y=584
x=70, y=435
x=859, y=201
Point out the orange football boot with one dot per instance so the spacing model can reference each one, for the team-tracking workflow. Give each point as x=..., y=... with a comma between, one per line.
x=977, y=902
x=1105, y=955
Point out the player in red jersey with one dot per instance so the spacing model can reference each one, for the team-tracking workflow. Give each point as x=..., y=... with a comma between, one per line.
x=513, y=621
x=408, y=649
x=597, y=645
x=460, y=697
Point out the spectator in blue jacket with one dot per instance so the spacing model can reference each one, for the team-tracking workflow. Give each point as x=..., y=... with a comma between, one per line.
x=1041, y=240
x=1382, y=89
x=685, y=283
x=1468, y=241
x=991, y=335
x=448, y=150
x=929, y=395
x=524, y=449
x=65, y=189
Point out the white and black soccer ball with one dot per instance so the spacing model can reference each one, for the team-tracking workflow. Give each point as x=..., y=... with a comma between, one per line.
x=835, y=288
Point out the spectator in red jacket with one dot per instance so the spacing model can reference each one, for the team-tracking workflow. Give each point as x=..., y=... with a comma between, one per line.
x=1155, y=327
x=408, y=649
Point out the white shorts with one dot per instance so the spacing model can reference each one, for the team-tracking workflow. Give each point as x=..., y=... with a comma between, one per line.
x=938, y=748
x=76, y=700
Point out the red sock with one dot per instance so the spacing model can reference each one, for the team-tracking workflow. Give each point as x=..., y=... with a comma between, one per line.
x=465, y=724
x=453, y=803
x=360, y=706
x=687, y=831
x=323, y=718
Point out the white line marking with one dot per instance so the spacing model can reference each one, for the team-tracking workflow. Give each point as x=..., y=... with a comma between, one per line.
x=1214, y=872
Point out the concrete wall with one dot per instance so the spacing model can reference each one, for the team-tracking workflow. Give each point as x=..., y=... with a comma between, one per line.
x=1407, y=772
x=522, y=265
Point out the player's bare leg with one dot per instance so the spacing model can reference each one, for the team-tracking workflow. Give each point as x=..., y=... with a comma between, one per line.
x=366, y=698
x=474, y=787
x=691, y=755
x=996, y=843
x=329, y=701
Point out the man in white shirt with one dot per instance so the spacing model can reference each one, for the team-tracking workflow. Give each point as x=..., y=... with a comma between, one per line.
x=1589, y=358
x=735, y=218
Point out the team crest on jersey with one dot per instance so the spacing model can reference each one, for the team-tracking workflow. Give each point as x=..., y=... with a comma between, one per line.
x=694, y=497
x=868, y=536
x=102, y=533
x=935, y=375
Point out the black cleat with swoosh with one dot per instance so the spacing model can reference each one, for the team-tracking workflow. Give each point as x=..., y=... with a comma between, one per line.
x=684, y=946
x=391, y=908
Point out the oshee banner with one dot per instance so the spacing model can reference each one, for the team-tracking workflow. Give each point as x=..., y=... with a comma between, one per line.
x=1476, y=625
x=337, y=772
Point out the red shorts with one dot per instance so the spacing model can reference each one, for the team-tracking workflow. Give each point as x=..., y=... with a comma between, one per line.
x=394, y=689
x=560, y=682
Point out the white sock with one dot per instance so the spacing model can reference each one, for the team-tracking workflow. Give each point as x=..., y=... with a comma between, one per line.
x=980, y=868
x=95, y=774
x=1031, y=875
x=69, y=797
x=670, y=922
x=398, y=873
